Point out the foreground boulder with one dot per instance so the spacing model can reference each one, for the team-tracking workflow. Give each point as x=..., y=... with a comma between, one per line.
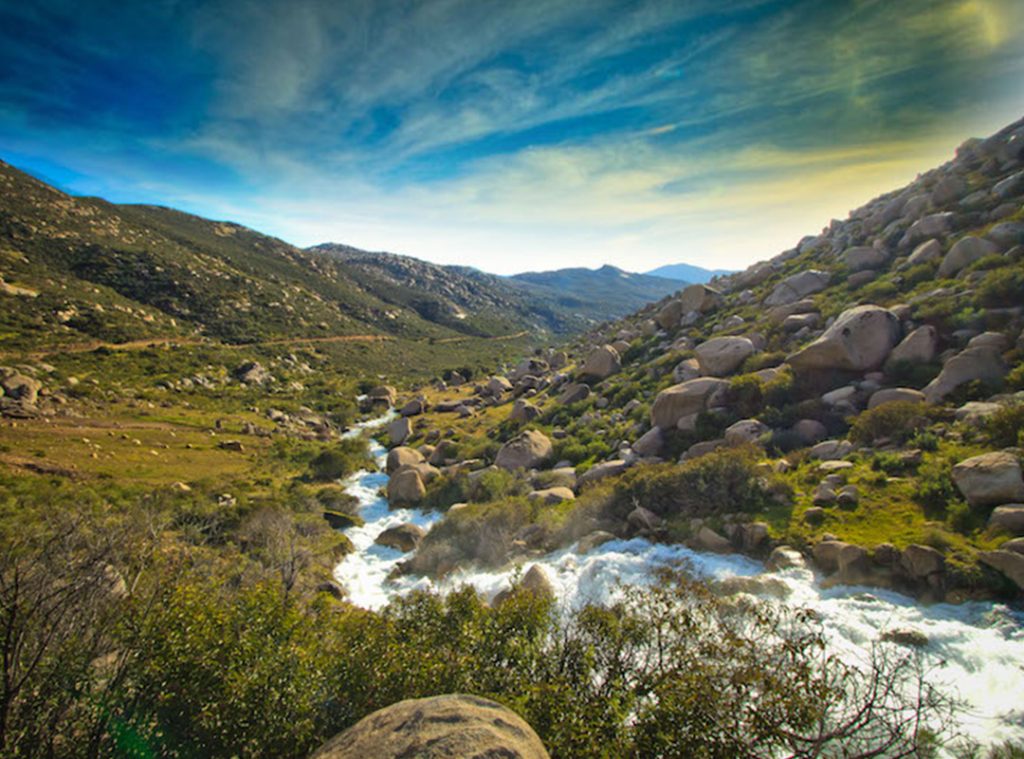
x=442, y=727
x=602, y=363
x=406, y=487
x=527, y=450
x=682, y=400
x=981, y=362
x=404, y=537
x=402, y=456
x=859, y=340
x=990, y=479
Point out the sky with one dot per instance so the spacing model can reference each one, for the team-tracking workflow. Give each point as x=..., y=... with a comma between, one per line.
x=509, y=135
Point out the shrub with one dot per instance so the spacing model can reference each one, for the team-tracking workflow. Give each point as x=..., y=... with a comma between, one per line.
x=1005, y=428
x=934, y=488
x=1002, y=288
x=895, y=422
x=746, y=395
x=340, y=460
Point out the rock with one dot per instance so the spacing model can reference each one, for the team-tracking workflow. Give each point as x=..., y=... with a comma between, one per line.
x=406, y=487
x=809, y=431
x=399, y=431
x=745, y=431
x=826, y=554
x=824, y=495
x=601, y=363
x=595, y=539
x=650, y=443
x=720, y=356
x=1016, y=545
x=574, y=392
x=995, y=340
x=523, y=411
x=643, y=520
x=895, y=395
x=702, y=448
x=551, y=496
x=415, y=407
x=402, y=456
x=561, y=477
x=699, y=298
x=831, y=450
x=930, y=250
x=668, y=316
x=1009, y=518
x=797, y=322
x=1007, y=234
x=687, y=369
x=921, y=561
x=496, y=386
x=975, y=412
x=848, y=497
x=441, y=727
x=934, y=225
x=251, y=373
x=404, y=537
x=905, y=637
x=707, y=539
x=1010, y=563
x=798, y=286
x=383, y=394
x=784, y=557
x=231, y=445
x=755, y=586
x=751, y=536
x=917, y=348
x=840, y=396
x=1011, y=186
x=830, y=467
x=859, y=340
x=979, y=363
x=332, y=589
x=815, y=515
x=948, y=190
x=684, y=399
x=854, y=565
x=990, y=479
x=602, y=470
x=861, y=258
x=527, y=450
x=965, y=252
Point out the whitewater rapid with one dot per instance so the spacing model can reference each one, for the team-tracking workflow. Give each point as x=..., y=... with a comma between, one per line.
x=976, y=649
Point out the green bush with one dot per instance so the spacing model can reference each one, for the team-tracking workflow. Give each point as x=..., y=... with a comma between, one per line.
x=1002, y=288
x=340, y=460
x=1005, y=428
x=746, y=395
x=896, y=422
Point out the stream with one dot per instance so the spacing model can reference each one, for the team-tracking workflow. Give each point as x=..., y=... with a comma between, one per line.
x=979, y=645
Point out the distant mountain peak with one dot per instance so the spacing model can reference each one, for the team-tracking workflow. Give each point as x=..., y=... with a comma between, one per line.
x=687, y=273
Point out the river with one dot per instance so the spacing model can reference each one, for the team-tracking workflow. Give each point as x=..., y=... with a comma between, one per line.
x=977, y=648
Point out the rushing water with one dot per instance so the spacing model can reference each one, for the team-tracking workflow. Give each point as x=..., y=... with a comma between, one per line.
x=980, y=646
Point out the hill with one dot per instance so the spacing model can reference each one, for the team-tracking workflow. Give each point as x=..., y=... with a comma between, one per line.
x=687, y=273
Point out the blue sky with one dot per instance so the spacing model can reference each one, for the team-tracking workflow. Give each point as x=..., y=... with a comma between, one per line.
x=507, y=135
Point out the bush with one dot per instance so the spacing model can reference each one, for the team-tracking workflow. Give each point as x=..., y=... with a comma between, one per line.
x=340, y=460
x=1005, y=428
x=746, y=395
x=896, y=422
x=1002, y=288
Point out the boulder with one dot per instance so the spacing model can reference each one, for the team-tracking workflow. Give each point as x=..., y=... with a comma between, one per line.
x=929, y=250
x=527, y=450
x=415, y=407
x=699, y=298
x=406, y=487
x=707, y=539
x=643, y=520
x=537, y=582
x=668, y=316
x=440, y=727
x=859, y=340
x=403, y=537
x=1009, y=563
x=990, y=479
x=1009, y=518
x=595, y=539
x=917, y=348
x=1007, y=234
x=601, y=363
x=965, y=252
x=920, y=562
x=978, y=363
x=831, y=450
x=251, y=373
x=934, y=225
x=810, y=431
x=798, y=286
x=784, y=557
x=551, y=496
x=496, y=386
x=854, y=565
x=574, y=392
x=523, y=411
x=399, y=431
x=826, y=554
x=745, y=431
x=895, y=395
x=861, y=258
x=720, y=356
x=383, y=394
x=602, y=470
x=650, y=443
x=400, y=457
x=684, y=399
x=687, y=369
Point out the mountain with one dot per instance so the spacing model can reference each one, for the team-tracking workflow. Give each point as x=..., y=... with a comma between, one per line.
x=687, y=273
x=469, y=300
x=600, y=294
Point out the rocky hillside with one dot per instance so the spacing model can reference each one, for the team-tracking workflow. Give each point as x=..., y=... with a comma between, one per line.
x=855, y=402
x=563, y=302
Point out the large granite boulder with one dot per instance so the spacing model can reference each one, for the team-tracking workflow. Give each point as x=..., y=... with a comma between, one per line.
x=402, y=456
x=1009, y=563
x=403, y=537
x=918, y=347
x=720, y=356
x=965, y=252
x=527, y=450
x=601, y=363
x=863, y=258
x=798, y=286
x=399, y=430
x=982, y=362
x=990, y=479
x=406, y=488
x=699, y=298
x=683, y=400
x=859, y=340
x=441, y=727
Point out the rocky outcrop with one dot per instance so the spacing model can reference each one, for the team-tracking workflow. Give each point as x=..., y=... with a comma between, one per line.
x=527, y=450
x=442, y=727
x=990, y=479
x=859, y=340
x=683, y=400
x=720, y=356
